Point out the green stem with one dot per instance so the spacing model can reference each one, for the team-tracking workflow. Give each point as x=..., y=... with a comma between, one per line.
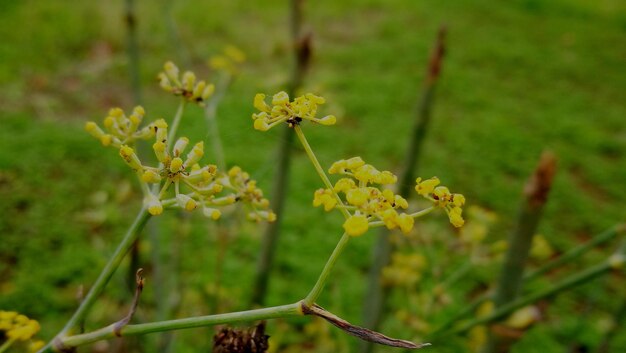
x=7, y=344
x=133, y=50
x=319, y=169
x=573, y=254
x=567, y=283
x=321, y=280
x=106, y=274
x=283, y=311
x=175, y=122
x=511, y=278
x=375, y=302
x=272, y=232
x=210, y=114
x=301, y=55
x=577, y=251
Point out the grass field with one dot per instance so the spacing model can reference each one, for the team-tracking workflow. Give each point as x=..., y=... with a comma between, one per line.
x=518, y=78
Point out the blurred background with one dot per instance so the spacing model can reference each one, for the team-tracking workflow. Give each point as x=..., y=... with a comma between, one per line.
x=519, y=77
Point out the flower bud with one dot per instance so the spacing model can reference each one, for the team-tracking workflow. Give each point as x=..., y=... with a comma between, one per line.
x=160, y=152
x=195, y=154
x=189, y=81
x=153, y=204
x=208, y=91
x=180, y=146
x=150, y=176
x=356, y=225
x=176, y=165
x=280, y=98
x=328, y=120
x=212, y=213
x=129, y=156
x=259, y=103
x=171, y=70
x=185, y=202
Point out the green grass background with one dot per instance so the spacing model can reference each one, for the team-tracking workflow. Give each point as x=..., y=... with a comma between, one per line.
x=519, y=77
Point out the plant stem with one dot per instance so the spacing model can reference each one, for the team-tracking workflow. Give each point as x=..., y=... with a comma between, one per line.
x=133, y=50
x=374, y=304
x=577, y=251
x=572, y=254
x=210, y=114
x=565, y=284
x=272, y=231
x=106, y=274
x=302, y=57
x=319, y=169
x=175, y=122
x=321, y=280
x=6, y=344
x=283, y=311
x=520, y=240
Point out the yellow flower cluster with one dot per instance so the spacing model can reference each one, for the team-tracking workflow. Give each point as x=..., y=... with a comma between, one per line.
x=204, y=183
x=367, y=202
x=405, y=269
x=229, y=61
x=292, y=112
x=18, y=327
x=441, y=197
x=247, y=192
x=192, y=90
x=121, y=129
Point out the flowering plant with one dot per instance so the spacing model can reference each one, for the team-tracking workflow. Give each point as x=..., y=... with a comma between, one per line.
x=179, y=180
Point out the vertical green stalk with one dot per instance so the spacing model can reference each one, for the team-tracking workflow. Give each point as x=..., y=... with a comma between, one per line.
x=210, y=114
x=172, y=31
x=569, y=282
x=330, y=264
x=173, y=128
x=375, y=303
x=132, y=50
x=520, y=240
x=106, y=274
x=301, y=53
x=319, y=169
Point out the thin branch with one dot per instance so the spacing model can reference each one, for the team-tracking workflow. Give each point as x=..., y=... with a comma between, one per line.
x=563, y=285
x=107, y=332
x=117, y=327
x=360, y=332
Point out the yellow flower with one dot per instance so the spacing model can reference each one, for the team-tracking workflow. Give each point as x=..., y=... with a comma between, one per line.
x=362, y=196
x=35, y=346
x=324, y=197
x=357, y=197
x=247, y=191
x=405, y=222
x=354, y=163
x=404, y=269
x=153, y=204
x=120, y=129
x=356, y=225
x=18, y=327
x=441, y=197
x=192, y=90
x=338, y=167
x=283, y=110
x=427, y=186
x=229, y=61
x=344, y=184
